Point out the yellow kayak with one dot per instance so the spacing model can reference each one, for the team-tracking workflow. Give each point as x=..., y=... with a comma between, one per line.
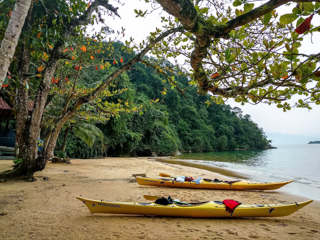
x=210, y=209
x=222, y=185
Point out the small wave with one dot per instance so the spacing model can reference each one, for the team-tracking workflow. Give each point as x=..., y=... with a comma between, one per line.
x=259, y=174
x=313, y=183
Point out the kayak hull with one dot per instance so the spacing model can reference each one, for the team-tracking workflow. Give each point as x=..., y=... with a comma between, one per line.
x=209, y=209
x=240, y=185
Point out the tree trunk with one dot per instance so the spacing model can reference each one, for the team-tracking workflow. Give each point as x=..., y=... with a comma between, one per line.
x=13, y=31
x=47, y=141
x=45, y=156
x=65, y=140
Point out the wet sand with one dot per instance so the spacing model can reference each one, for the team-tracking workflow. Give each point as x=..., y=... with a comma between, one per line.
x=48, y=209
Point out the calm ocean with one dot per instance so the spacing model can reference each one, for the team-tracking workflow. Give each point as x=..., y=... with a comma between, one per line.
x=298, y=162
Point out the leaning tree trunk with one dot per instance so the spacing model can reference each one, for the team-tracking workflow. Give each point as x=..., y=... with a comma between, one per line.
x=10, y=41
x=48, y=152
x=65, y=140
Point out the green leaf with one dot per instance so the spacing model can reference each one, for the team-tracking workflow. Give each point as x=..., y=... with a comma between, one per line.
x=248, y=7
x=254, y=57
x=296, y=11
x=260, y=67
x=244, y=66
x=296, y=44
x=242, y=36
x=288, y=18
x=300, y=20
x=204, y=10
x=237, y=3
x=279, y=106
x=227, y=54
x=266, y=18
x=308, y=7
x=238, y=12
x=245, y=43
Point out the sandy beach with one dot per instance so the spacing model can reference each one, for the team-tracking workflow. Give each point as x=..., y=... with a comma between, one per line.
x=48, y=208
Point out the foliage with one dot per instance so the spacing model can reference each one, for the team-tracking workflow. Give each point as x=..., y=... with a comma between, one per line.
x=76, y=148
x=61, y=154
x=88, y=133
x=168, y=122
x=17, y=161
x=246, y=52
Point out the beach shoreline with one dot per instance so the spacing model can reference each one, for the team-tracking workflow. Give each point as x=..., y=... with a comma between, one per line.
x=48, y=209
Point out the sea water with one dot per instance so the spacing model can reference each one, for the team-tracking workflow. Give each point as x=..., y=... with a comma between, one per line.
x=297, y=162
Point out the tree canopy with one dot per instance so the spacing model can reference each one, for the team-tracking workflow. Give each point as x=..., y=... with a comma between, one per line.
x=247, y=52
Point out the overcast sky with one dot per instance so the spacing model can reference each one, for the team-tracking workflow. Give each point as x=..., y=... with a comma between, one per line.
x=270, y=118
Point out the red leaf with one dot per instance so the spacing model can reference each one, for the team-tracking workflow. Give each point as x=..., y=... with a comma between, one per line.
x=114, y=62
x=305, y=26
x=83, y=48
x=76, y=67
x=215, y=75
x=121, y=60
x=53, y=80
x=67, y=80
x=96, y=67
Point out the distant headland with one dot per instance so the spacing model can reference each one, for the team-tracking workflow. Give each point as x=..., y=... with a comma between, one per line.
x=314, y=142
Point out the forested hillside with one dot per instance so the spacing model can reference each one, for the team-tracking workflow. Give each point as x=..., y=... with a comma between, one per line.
x=167, y=121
